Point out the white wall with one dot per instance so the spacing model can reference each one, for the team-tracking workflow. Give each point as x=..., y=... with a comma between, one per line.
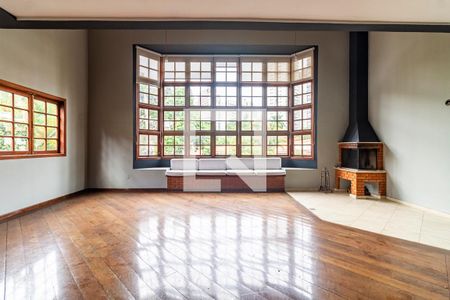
x=111, y=92
x=409, y=81
x=55, y=62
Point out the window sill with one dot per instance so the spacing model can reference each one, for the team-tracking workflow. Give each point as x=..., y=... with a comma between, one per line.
x=153, y=169
x=299, y=169
x=24, y=156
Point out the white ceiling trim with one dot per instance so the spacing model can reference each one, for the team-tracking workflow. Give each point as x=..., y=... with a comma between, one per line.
x=311, y=11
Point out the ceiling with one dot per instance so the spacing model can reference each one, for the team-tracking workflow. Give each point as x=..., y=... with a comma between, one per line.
x=332, y=11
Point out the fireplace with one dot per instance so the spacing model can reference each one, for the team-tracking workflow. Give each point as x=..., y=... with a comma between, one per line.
x=360, y=158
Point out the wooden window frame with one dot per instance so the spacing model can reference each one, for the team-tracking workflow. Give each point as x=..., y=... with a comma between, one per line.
x=213, y=106
x=163, y=145
x=277, y=135
x=226, y=135
x=148, y=145
x=32, y=95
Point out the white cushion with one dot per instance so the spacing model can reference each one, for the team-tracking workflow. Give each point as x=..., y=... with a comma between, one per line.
x=270, y=172
x=267, y=163
x=180, y=172
x=241, y=172
x=212, y=164
x=183, y=164
x=234, y=163
x=212, y=172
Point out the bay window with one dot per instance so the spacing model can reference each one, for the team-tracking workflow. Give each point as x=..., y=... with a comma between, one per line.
x=218, y=106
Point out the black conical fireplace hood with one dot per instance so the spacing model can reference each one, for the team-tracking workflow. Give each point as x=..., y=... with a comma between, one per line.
x=359, y=128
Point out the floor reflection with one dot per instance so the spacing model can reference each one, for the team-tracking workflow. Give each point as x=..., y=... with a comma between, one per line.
x=227, y=254
x=114, y=245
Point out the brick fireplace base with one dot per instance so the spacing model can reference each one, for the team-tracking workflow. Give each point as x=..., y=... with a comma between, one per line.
x=357, y=179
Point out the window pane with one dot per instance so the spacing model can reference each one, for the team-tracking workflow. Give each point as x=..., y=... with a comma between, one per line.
x=20, y=101
x=5, y=144
x=226, y=96
x=39, y=106
x=38, y=119
x=52, y=108
x=251, y=96
x=5, y=129
x=226, y=71
x=21, y=144
x=6, y=113
x=200, y=95
x=251, y=71
x=52, y=145
x=20, y=116
x=52, y=132
x=174, y=71
x=278, y=71
x=201, y=71
x=39, y=132
x=39, y=145
x=302, y=68
x=5, y=98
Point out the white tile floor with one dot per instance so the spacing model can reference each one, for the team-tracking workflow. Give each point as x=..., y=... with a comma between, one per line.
x=379, y=216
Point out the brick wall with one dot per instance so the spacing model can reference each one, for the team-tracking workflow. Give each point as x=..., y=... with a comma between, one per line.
x=357, y=180
x=232, y=183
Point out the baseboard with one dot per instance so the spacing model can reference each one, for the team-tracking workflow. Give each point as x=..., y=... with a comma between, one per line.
x=432, y=211
x=29, y=209
x=122, y=190
x=301, y=189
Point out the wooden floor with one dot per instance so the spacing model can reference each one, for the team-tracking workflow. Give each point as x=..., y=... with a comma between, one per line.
x=200, y=246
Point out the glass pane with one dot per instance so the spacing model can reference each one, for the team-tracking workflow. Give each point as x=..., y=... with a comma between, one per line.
x=52, y=108
x=179, y=140
x=5, y=128
x=20, y=130
x=38, y=119
x=246, y=150
x=20, y=116
x=271, y=150
x=39, y=132
x=52, y=121
x=52, y=145
x=52, y=132
x=168, y=140
x=5, y=113
x=153, y=140
x=169, y=150
x=5, y=144
x=271, y=140
x=143, y=139
x=39, y=106
x=153, y=125
x=221, y=150
x=257, y=150
x=153, y=150
x=21, y=144
x=39, y=145
x=220, y=140
x=143, y=61
x=5, y=98
x=143, y=150
x=179, y=150
x=20, y=101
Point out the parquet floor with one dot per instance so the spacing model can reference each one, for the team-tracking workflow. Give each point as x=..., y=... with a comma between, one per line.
x=125, y=245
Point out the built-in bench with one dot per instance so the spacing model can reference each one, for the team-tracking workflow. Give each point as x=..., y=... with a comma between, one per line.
x=230, y=174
